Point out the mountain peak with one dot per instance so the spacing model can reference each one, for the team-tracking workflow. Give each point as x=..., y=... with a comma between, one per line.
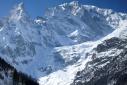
x=20, y=6
x=66, y=8
x=74, y=3
x=18, y=12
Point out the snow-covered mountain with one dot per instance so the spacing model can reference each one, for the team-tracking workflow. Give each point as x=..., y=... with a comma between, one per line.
x=108, y=61
x=55, y=47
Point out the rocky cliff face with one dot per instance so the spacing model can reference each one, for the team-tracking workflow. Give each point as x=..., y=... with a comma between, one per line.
x=108, y=69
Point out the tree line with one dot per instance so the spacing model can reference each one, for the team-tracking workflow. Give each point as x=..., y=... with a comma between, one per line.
x=18, y=78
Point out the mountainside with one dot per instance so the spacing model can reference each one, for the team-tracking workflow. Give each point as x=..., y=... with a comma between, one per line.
x=72, y=44
x=10, y=76
x=108, y=65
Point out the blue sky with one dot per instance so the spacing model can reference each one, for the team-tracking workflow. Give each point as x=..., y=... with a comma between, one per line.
x=38, y=7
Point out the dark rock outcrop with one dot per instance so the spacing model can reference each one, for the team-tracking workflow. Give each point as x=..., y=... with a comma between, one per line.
x=111, y=43
x=106, y=70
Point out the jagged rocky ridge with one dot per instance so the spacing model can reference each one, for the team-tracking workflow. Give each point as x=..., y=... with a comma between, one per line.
x=58, y=45
x=107, y=69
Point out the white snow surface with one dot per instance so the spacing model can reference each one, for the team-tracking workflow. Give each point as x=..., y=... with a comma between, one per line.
x=54, y=50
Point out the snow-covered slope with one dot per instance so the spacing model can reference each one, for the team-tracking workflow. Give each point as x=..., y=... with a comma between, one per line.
x=113, y=44
x=55, y=47
x=82, y=23
x=107, y=65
